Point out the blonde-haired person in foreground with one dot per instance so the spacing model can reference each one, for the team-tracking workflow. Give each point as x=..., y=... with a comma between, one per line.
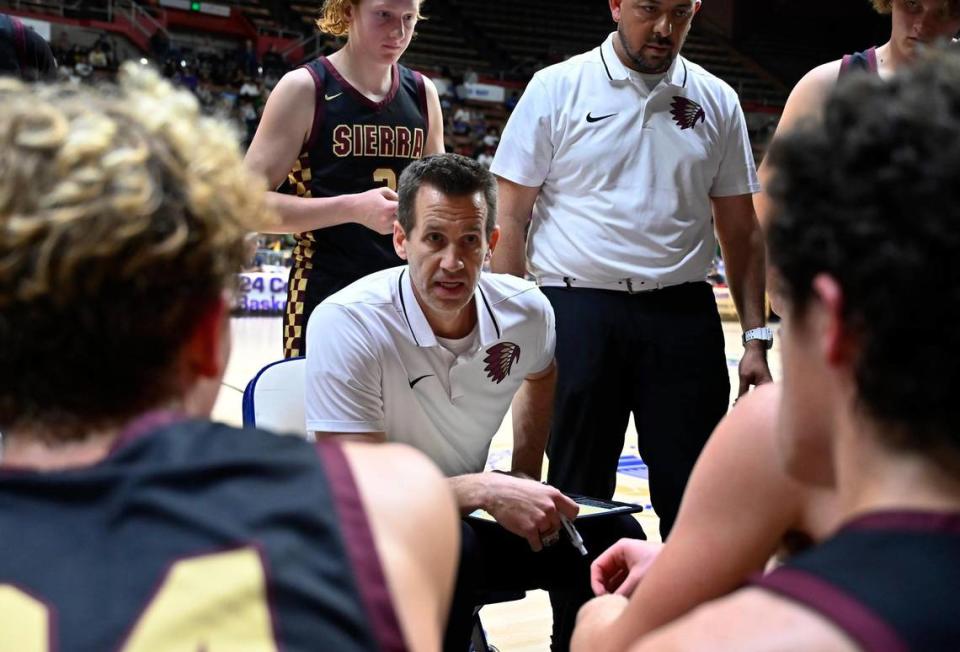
x=129, y=520
x=868, y=401
x=914, y=24
x=335, y=136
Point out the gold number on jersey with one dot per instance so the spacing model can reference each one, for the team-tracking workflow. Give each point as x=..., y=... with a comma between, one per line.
x=381, y=175
x=216, y=602
x=24, y=621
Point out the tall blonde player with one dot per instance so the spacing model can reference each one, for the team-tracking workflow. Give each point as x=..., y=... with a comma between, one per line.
x=335, y=136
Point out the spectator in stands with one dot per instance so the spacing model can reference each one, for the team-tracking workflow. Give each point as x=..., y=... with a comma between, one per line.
x=116, y=489
x=98, y=58
x=462, y=117
x=159, y=45
x=492, y=137
x=273, y=61
x=82, y=67
x=914, y=25
x=336, y=186
x=511, y=102
x=485, y=157
x=247, y=60
x=868, y=400
x=63, y=49
x=250, y=89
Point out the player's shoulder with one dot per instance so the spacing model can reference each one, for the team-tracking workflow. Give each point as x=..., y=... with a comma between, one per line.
x=391, y=465
x=380, y=469
x=299, y=82
x=819, y=80
x=750, y=620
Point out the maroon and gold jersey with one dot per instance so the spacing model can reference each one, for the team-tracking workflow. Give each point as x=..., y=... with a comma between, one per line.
x=193, y=536
x=355, y=144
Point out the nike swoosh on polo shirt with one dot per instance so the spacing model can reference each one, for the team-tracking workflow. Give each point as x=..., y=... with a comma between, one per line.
x=598, y=118
x=417, y=380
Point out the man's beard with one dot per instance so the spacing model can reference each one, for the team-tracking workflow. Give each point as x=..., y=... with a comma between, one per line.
x=640, y=64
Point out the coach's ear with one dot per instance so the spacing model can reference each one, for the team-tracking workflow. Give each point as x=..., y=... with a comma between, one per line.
x=615, y=9
x=492, y=242
x=399, y=240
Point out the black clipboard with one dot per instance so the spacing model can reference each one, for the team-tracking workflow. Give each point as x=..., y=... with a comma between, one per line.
x=605, y=507
x=609, y=507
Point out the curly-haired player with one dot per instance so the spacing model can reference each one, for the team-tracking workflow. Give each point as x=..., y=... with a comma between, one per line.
x=335, y=136
x=130, y=521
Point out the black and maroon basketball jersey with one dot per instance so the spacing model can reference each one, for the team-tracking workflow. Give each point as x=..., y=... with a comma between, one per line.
x=887, y=579
x=355, y=145
x=24, y=53
x=192, y=536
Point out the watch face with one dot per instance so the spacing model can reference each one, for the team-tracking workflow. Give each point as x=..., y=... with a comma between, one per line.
x=763, y=334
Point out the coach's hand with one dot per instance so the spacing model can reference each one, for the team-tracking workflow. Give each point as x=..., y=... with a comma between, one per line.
x=753, y=368
x=527, y=508
x=376, y=209
x=621, y=566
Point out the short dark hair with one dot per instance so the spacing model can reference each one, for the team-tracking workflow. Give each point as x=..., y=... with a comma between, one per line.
x=451, y=174
x=869, y=196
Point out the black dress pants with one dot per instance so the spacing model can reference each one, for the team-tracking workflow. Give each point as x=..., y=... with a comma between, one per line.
x=658, y=354
x=495, y=560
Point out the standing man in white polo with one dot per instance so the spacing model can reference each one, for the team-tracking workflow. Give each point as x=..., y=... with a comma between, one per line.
x=629, y=159
x=432, y=354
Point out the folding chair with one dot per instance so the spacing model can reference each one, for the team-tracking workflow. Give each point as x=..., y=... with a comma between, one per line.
x=274, y=399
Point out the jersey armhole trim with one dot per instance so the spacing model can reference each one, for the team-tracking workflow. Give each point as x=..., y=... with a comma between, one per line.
x=422, y=95
x=319, y=107
x=361, y=548
x=832, y=603
x=20, y=43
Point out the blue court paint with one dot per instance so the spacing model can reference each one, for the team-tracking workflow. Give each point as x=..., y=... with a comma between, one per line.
x=633, y=466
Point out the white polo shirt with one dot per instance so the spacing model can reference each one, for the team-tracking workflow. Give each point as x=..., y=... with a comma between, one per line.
x=625, y=173
x=375, y=365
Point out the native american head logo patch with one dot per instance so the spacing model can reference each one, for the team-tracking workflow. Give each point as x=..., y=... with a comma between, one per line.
x=500, y=359
x=686, y=112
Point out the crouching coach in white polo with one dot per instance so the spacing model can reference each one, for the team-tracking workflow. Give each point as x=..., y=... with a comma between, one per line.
x=432, y=354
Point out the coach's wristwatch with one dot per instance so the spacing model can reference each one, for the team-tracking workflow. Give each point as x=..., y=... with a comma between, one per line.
x=763, y=334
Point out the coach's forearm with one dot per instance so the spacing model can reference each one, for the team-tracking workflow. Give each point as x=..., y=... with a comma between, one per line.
x=532, y=412
x=514, y=208
x=744, y=256
x=471, y=490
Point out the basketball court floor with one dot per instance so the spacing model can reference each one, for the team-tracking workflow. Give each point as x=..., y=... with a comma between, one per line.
x=522, y=626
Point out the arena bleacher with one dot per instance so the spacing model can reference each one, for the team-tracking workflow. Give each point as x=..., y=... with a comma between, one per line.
x=480, y=54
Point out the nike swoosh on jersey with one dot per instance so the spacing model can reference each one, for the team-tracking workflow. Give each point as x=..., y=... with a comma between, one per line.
x=332, y=97
x=598, y=118
x=417, y=380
